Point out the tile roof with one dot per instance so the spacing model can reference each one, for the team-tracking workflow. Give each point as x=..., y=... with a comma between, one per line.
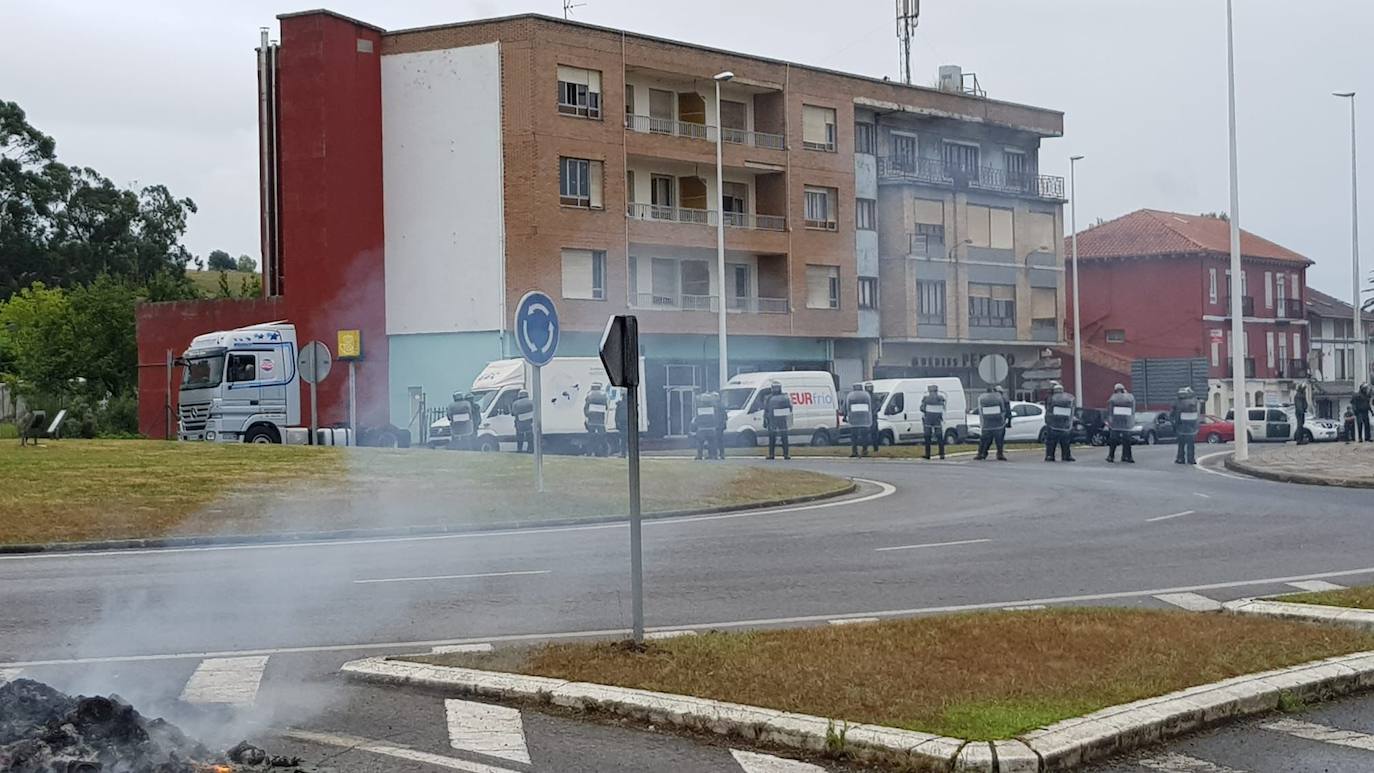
x=1323, y=305
x=1153, y=232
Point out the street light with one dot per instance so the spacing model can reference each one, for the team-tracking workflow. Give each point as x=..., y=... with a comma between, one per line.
x=1239, y=387
x=1077, y=316
x=1360, y=366
x=720, y=229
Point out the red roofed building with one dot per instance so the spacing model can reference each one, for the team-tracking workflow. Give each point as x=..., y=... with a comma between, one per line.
x=1157, y=285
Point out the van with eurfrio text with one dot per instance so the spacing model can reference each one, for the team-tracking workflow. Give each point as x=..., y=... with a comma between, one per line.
x=815, y=406
x=899, y=409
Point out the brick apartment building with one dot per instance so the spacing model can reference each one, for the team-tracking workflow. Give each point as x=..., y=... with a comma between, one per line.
x=1157, y=285
x=417, y=182
x=1331, y=358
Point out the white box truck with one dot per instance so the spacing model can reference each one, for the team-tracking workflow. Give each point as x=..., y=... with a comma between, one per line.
x=242, y=385
x=564, y=384
x=899, y=411
x=815, y=407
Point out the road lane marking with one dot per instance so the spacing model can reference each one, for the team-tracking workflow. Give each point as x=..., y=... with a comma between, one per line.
x=621, y=632
x=391, y=750
x=1310, y=731
x=661, y=635
x=487, y=729
x=448, y=649
x=1316, y=586
x=753, y=762
x=1172, y=762
x=9, y=674
x=885, y=490
x=232, y=681
x=1170, y=516
x=1024, y=608
x=1201, y=465
x=852, y=620
x=933, y=545
x=1200, y=494
x=450, y=577
x=1192, y=602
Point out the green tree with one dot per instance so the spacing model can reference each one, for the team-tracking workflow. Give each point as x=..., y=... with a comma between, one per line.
x=38, y=340
x=219, y=260
x=247, y=264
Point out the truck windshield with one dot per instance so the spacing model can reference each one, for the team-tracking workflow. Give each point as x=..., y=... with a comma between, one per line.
x=735, y=398
x=484, y=399
x=202, y=372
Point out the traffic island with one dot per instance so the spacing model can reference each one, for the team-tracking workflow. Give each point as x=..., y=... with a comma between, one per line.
x=1004, y=691
x=1349, y=607
x=140, y=493
x=1317, y=464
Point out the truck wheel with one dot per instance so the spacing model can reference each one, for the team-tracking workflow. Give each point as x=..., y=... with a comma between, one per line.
x=885, y=438
x=820, y=438
x=747, y=439
x=261, y=436
x=386, y=439
x=488, y=445
x=952, y=438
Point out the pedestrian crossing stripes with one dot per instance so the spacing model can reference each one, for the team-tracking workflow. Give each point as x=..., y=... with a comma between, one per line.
x=232, y=681
x=753, y=762
x=1311, y=731
x=1193, y=602
x=1316, y=586
x=1171, y=762
x=487, y=729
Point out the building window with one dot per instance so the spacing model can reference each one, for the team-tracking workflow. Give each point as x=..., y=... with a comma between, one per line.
x=1269, y=289
x=865, y=137
x=579, y=92
x=1044, y=308
x=930, y=303
x=866, y=214
x=820, y=208
x=818, y=128
x=961, y=158
x=1217, y=338
x=868, y=292
x=822, y=287
x=584, y=274
x=991, y=305
x=579, y=183
x=1040, y=231
x=1116, y=336
x=989, y=227
x=1211, y=285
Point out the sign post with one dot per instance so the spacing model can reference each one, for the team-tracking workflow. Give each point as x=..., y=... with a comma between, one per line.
x=314, y=364
x=620, y=356
x=350, y=348
x=536, y=333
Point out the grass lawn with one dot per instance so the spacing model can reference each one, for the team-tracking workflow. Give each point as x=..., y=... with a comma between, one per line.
x=1359, y=598
x=119, y=489
x=979, y=676
x=208, y=281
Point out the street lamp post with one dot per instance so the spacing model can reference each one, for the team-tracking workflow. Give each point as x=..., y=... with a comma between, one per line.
x=1077, y=314
x=1239, y=387
x=720, y=230
x=1361, y=367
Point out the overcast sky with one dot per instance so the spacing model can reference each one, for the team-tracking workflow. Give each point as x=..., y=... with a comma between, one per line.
x=161, y=91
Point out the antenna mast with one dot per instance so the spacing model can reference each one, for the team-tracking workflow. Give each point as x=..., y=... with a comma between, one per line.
x=568, y=6
x=908, y=16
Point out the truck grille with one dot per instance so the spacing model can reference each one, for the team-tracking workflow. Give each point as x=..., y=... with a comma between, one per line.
x=193, y=417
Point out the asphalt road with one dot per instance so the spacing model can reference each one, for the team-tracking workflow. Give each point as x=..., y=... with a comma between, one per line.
x=920, y=537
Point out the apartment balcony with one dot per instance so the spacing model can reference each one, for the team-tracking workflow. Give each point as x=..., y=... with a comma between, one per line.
x=646, y=124
x=1247, y=305
x=755, y=222
x=742, y=220
x=1289, y=308
x=934, y=171
x=1249, y=368
x=711, y=303
x=1293, y=369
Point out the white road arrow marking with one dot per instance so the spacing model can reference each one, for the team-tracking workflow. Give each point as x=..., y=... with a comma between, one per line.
x=495, y=731
x=753, y=762
x=352, y=743
x=1193, y=602
x=1311, y=731
x=233, y=681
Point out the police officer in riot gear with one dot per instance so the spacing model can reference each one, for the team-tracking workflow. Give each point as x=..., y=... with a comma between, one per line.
x=461, y=419
x=705, y=425
x=1120, y=421
x=873, y=436
x=622, y=421
x=722, y=418
x=858, y=411
x=594, y=413
x=1362, y=403
x=777, y=419
x=1059, y=423
x=1300, y=413
x=994, y=415
x=1185, y=415
x=933, y=418
x=523, y=411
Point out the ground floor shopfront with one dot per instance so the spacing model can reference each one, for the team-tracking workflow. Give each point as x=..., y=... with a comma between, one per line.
x=959, y=360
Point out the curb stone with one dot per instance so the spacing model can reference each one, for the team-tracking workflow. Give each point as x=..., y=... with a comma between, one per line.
x=1061, y=746
x=286, y=538
x=1350, y=617
x=1295, y=477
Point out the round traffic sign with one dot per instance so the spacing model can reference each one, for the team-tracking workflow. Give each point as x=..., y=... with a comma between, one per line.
x=993, y=369
x=314, y=362
x=536, y=328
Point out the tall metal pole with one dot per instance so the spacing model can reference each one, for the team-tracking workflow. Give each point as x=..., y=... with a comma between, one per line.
x=636, y=553
x=537, y=391
x=1239, y=387
x=352, y=403
x=720, y=233
x=1077, y=314
x=1361, y=367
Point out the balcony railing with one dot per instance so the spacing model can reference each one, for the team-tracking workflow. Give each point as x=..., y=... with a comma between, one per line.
x=1289, y=308
x=1247, y=305
x=756, y=222
x=754, y=139
x=689, y=302
x=646, y=124
x=1293, y=369
x=757, y=305
x=934, y=171
x=1249, y=368
x=662, y=214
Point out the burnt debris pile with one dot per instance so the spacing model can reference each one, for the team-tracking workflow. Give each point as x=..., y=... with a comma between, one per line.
x=45, y=731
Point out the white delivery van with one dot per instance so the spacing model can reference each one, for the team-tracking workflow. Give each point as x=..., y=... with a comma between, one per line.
x=899, y=414
x=815, y=406
x=564, y=384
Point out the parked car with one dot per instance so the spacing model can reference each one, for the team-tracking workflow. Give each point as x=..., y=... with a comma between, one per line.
x=1316, y=430
x=1090, y=426
x=1152, y=427
x=1027, y=423
x=1212, y=430
x=1271, y=425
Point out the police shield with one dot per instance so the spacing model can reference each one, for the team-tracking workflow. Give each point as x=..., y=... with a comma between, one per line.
x=990, y=415
x=1060, y=416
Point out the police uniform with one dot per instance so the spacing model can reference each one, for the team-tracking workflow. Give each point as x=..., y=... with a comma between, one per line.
x=1361, y=404
x=523, y=411
x=1059, y=424
x=858, y=411
x=461, y=420
x=1300, y=413
x=994, y=414
x=594, y=413
x=777, y=419
x=933, y=418
x=873, y=436
x=622, y=421
x=704, y=425
x=1185, y=416
x=1120, y=421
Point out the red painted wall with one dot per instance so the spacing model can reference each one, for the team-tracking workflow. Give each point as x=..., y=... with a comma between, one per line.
x=330, y=144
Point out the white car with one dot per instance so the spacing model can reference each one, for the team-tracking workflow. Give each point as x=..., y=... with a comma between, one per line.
x=1276, y=424
x=1321, y=430
x=1027, y=422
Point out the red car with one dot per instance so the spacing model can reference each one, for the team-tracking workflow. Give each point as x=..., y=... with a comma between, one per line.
x=1213, y=430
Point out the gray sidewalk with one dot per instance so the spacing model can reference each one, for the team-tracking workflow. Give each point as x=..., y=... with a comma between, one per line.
x=1322, y=464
